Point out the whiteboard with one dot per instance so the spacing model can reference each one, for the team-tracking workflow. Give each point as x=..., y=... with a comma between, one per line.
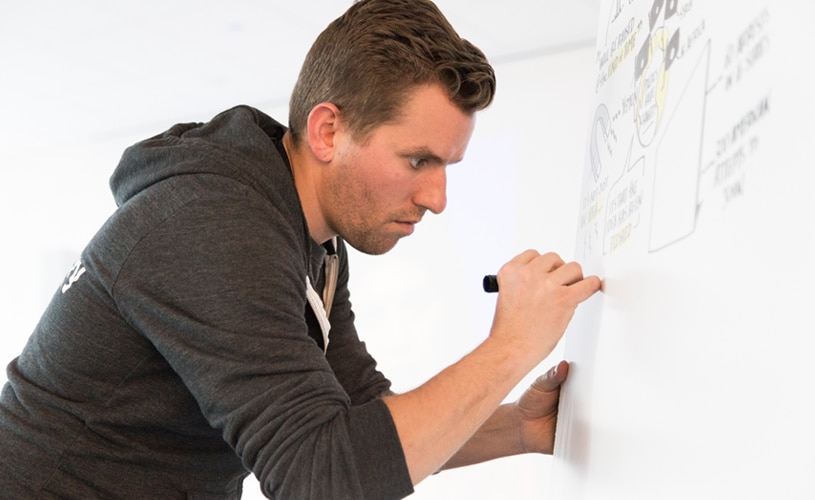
x=693, y=373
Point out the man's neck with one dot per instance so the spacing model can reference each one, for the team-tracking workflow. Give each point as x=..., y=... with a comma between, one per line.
x=303, y=167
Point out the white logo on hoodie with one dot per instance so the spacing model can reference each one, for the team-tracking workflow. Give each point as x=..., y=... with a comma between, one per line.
x=73, y=275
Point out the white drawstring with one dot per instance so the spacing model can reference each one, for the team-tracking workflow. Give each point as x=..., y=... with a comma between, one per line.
x=322, y=308
x=317, y=306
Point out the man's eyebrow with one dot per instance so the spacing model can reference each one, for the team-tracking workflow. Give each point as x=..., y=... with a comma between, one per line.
x=428, y=155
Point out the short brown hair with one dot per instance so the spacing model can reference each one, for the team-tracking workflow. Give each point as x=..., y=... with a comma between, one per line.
x=368, y=59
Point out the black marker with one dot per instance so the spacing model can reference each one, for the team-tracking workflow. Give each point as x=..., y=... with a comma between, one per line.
x=490, y=283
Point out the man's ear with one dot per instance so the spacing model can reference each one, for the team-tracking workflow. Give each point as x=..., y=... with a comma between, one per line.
x=323, y=125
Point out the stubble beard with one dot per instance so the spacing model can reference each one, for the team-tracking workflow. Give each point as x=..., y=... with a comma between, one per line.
x=369, y=241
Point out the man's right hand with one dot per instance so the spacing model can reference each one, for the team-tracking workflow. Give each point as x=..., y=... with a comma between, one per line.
x=537, y=299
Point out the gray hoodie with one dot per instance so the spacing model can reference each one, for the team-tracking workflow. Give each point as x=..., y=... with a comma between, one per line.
x=181, y=351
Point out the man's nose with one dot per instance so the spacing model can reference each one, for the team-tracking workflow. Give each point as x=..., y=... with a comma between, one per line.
x=432, y=191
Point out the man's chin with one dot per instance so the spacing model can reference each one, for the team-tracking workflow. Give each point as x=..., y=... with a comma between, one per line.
x=370, y=246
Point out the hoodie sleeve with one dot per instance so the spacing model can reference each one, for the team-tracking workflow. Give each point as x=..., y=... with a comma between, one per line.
x=218, y=287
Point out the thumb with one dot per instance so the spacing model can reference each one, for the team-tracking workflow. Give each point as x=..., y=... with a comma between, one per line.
x=553, y=378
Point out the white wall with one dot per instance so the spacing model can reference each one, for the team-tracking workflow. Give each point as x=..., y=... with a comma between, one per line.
x=421, y=306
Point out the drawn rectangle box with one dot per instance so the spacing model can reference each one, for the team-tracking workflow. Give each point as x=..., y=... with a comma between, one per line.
x=677, y=165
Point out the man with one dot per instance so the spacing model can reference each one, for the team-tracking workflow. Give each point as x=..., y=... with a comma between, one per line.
x=190, y=344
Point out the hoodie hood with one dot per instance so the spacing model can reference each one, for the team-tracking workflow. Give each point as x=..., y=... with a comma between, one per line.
x=240, y=143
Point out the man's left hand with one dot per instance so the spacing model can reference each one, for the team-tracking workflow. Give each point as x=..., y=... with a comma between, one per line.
x=538, y=407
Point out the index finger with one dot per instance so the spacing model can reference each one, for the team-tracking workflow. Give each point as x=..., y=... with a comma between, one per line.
x=585, y=288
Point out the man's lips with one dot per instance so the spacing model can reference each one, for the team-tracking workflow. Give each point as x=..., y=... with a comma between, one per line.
x=408, y=221
x=408, y=225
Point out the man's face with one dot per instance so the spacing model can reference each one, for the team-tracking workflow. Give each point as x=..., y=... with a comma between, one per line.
x=376, y=191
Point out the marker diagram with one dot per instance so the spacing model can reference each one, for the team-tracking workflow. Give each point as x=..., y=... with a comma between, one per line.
x=654, y=157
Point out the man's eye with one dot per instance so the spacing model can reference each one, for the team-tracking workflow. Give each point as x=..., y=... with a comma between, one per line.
x=417, y=162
